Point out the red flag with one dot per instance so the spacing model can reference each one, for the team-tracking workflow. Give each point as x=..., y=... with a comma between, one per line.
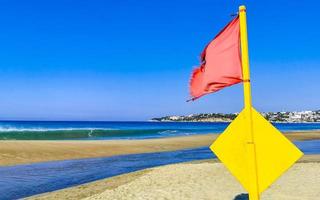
x=220, y=63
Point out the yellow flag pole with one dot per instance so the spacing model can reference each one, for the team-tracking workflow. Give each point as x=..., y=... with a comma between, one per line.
x=252, y=161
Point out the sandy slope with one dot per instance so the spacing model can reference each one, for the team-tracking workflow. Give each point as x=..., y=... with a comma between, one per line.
x=21, y=152
x=194, y=180
x=213, y=181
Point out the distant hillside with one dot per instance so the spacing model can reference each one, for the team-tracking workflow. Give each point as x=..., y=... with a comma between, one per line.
x=303, y=116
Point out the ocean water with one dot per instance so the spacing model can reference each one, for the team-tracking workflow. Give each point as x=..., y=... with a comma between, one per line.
x=26, y=180
x=63, y=130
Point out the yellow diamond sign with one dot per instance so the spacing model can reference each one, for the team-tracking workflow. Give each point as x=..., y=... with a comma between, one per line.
x=274, y=152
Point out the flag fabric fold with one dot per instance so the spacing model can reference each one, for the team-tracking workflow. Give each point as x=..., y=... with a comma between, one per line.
x=220, y=63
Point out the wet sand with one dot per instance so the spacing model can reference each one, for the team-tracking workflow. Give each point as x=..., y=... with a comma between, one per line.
x=25, y=151
x=207, y=179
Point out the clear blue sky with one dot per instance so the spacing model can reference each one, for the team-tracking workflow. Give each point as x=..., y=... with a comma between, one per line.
x=131, y=60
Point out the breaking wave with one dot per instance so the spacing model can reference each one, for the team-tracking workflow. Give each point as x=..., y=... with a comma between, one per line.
x=86, y=133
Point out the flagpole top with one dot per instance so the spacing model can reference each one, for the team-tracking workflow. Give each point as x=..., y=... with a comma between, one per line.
x=242, y=8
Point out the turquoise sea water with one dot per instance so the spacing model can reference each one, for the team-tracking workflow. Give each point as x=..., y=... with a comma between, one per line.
x=48, y=130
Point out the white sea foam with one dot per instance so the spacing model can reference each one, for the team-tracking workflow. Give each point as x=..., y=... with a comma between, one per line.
x=168, y=132
x=41, y=129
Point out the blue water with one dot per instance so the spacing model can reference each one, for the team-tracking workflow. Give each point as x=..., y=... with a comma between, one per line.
x=35, y=130
x=26, y=180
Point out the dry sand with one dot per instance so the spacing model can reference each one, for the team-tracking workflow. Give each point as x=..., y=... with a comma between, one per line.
x=24, y=151
x=196, y=180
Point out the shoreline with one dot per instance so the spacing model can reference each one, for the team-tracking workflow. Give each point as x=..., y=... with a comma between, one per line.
x=102, y=189
x=13, y=152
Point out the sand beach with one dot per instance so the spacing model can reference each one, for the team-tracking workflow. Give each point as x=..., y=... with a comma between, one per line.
x=13, y=152
x=207, y=179
x=192, y=180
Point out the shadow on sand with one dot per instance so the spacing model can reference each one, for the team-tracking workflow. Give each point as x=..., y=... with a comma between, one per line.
x=242, y=196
